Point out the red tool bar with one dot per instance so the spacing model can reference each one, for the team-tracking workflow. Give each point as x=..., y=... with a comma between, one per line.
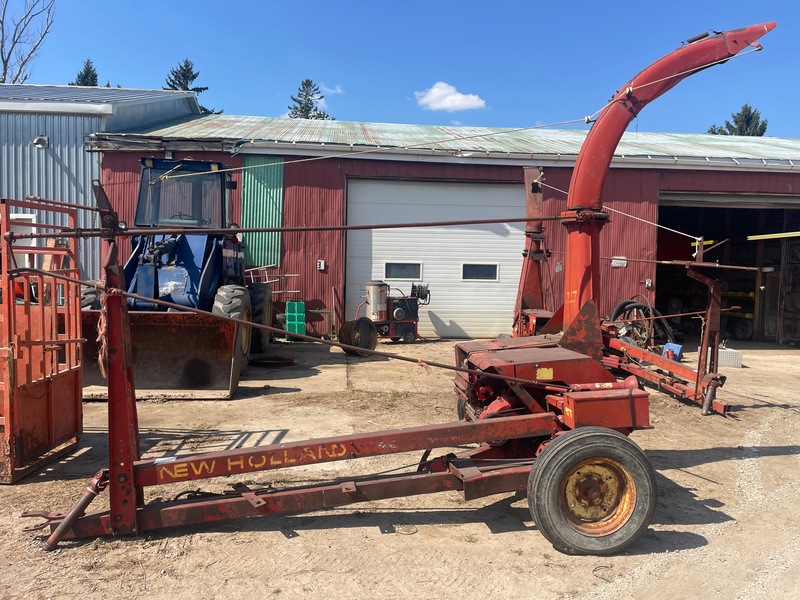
x=665, y=381
x=194, y=511
x=277, y=456
x=682, y=371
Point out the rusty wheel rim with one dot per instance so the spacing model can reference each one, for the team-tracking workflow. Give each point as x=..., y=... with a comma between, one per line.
x=247, y=331
x=598, y=497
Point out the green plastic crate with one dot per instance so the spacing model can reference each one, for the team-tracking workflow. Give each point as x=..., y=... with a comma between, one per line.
x=295, y=318
x=295, y=312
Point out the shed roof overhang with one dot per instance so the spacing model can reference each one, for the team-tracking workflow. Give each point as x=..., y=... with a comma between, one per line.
x=88, y=108
x=105, y=142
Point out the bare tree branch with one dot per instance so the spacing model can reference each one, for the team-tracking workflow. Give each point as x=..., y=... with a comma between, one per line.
x=21, y=36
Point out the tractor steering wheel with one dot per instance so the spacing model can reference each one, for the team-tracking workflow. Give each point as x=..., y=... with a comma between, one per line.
x=182, y=216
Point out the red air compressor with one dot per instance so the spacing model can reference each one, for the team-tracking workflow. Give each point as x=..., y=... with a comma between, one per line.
x=396, y=317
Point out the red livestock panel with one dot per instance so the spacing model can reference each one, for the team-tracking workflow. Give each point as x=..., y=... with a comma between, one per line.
x=40, y=356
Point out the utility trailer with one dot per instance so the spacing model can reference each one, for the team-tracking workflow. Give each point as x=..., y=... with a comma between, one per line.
x=550, y=413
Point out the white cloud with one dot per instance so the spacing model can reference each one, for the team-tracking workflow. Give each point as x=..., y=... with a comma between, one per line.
x=443, y=96
x=322, y=103
x=330, y=91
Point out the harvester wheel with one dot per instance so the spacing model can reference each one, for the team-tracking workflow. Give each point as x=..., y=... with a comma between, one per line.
x=360, y=333
x=261, y=302
x=592, y=491
x=234, y=301
x=461, y=409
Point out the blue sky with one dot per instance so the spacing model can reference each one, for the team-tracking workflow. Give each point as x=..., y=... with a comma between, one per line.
x=493, y=64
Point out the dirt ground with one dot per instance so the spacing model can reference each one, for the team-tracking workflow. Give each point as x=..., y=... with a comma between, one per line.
x=727, y=523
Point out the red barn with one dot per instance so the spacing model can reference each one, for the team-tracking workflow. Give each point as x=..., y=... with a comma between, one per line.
x=665, y=192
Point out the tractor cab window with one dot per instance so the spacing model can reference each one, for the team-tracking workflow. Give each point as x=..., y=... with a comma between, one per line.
x=174, y=195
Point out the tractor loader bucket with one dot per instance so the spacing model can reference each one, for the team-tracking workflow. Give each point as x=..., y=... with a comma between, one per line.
x=174, y=354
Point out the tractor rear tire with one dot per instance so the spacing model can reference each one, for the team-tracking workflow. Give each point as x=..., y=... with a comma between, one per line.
x=90, y=298
x=234, y=301
x=261, y=303
x=592, y=491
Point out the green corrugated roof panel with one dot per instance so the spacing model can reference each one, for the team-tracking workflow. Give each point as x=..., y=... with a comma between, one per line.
x=262, y=206
x=491, y=140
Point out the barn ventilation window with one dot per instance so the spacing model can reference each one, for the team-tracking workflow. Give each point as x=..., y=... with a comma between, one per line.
x=479, y=272
x=402, y=270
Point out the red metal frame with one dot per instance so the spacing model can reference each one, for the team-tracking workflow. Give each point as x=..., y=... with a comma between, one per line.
x=694, y=385
x=41, y=412
x=529, y=313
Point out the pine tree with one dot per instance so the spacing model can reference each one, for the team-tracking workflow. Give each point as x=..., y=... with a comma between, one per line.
x=746, y=122
x=306, y=103
x=182, y=77
x=87, y=75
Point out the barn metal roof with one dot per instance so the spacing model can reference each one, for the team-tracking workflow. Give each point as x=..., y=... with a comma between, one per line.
x=78, y=99
x=464, y=144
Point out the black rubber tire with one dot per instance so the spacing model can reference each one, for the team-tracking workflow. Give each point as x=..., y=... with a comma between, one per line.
x=234, y=301
x=620, y=308
x=592, y=460
x=261, y=303
x=662, y=332
x=461, y=409
x=409, y=337
x=360, y=333
x=743, y=329
x=90, y=298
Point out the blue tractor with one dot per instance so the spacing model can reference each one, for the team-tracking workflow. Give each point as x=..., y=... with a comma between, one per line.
x=196, y=267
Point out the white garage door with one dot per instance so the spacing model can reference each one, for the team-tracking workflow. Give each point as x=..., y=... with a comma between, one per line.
x=473, y=270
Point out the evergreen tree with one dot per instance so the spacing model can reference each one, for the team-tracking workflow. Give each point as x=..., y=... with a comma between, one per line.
x=306, y=103
x=87, y=75
x=182, y=77
x=746, y=122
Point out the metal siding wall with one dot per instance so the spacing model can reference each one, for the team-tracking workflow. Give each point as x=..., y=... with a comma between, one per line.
x=262, y=206
x=726, y=181
x=630, y=191
x=314, y=195
x=62, y=171
x=432, y=171
x=121, y=172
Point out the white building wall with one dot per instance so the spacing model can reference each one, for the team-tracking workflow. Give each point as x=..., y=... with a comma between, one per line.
x=458, y=308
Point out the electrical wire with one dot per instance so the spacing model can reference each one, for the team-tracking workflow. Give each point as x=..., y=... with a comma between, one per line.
x=624, y=214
